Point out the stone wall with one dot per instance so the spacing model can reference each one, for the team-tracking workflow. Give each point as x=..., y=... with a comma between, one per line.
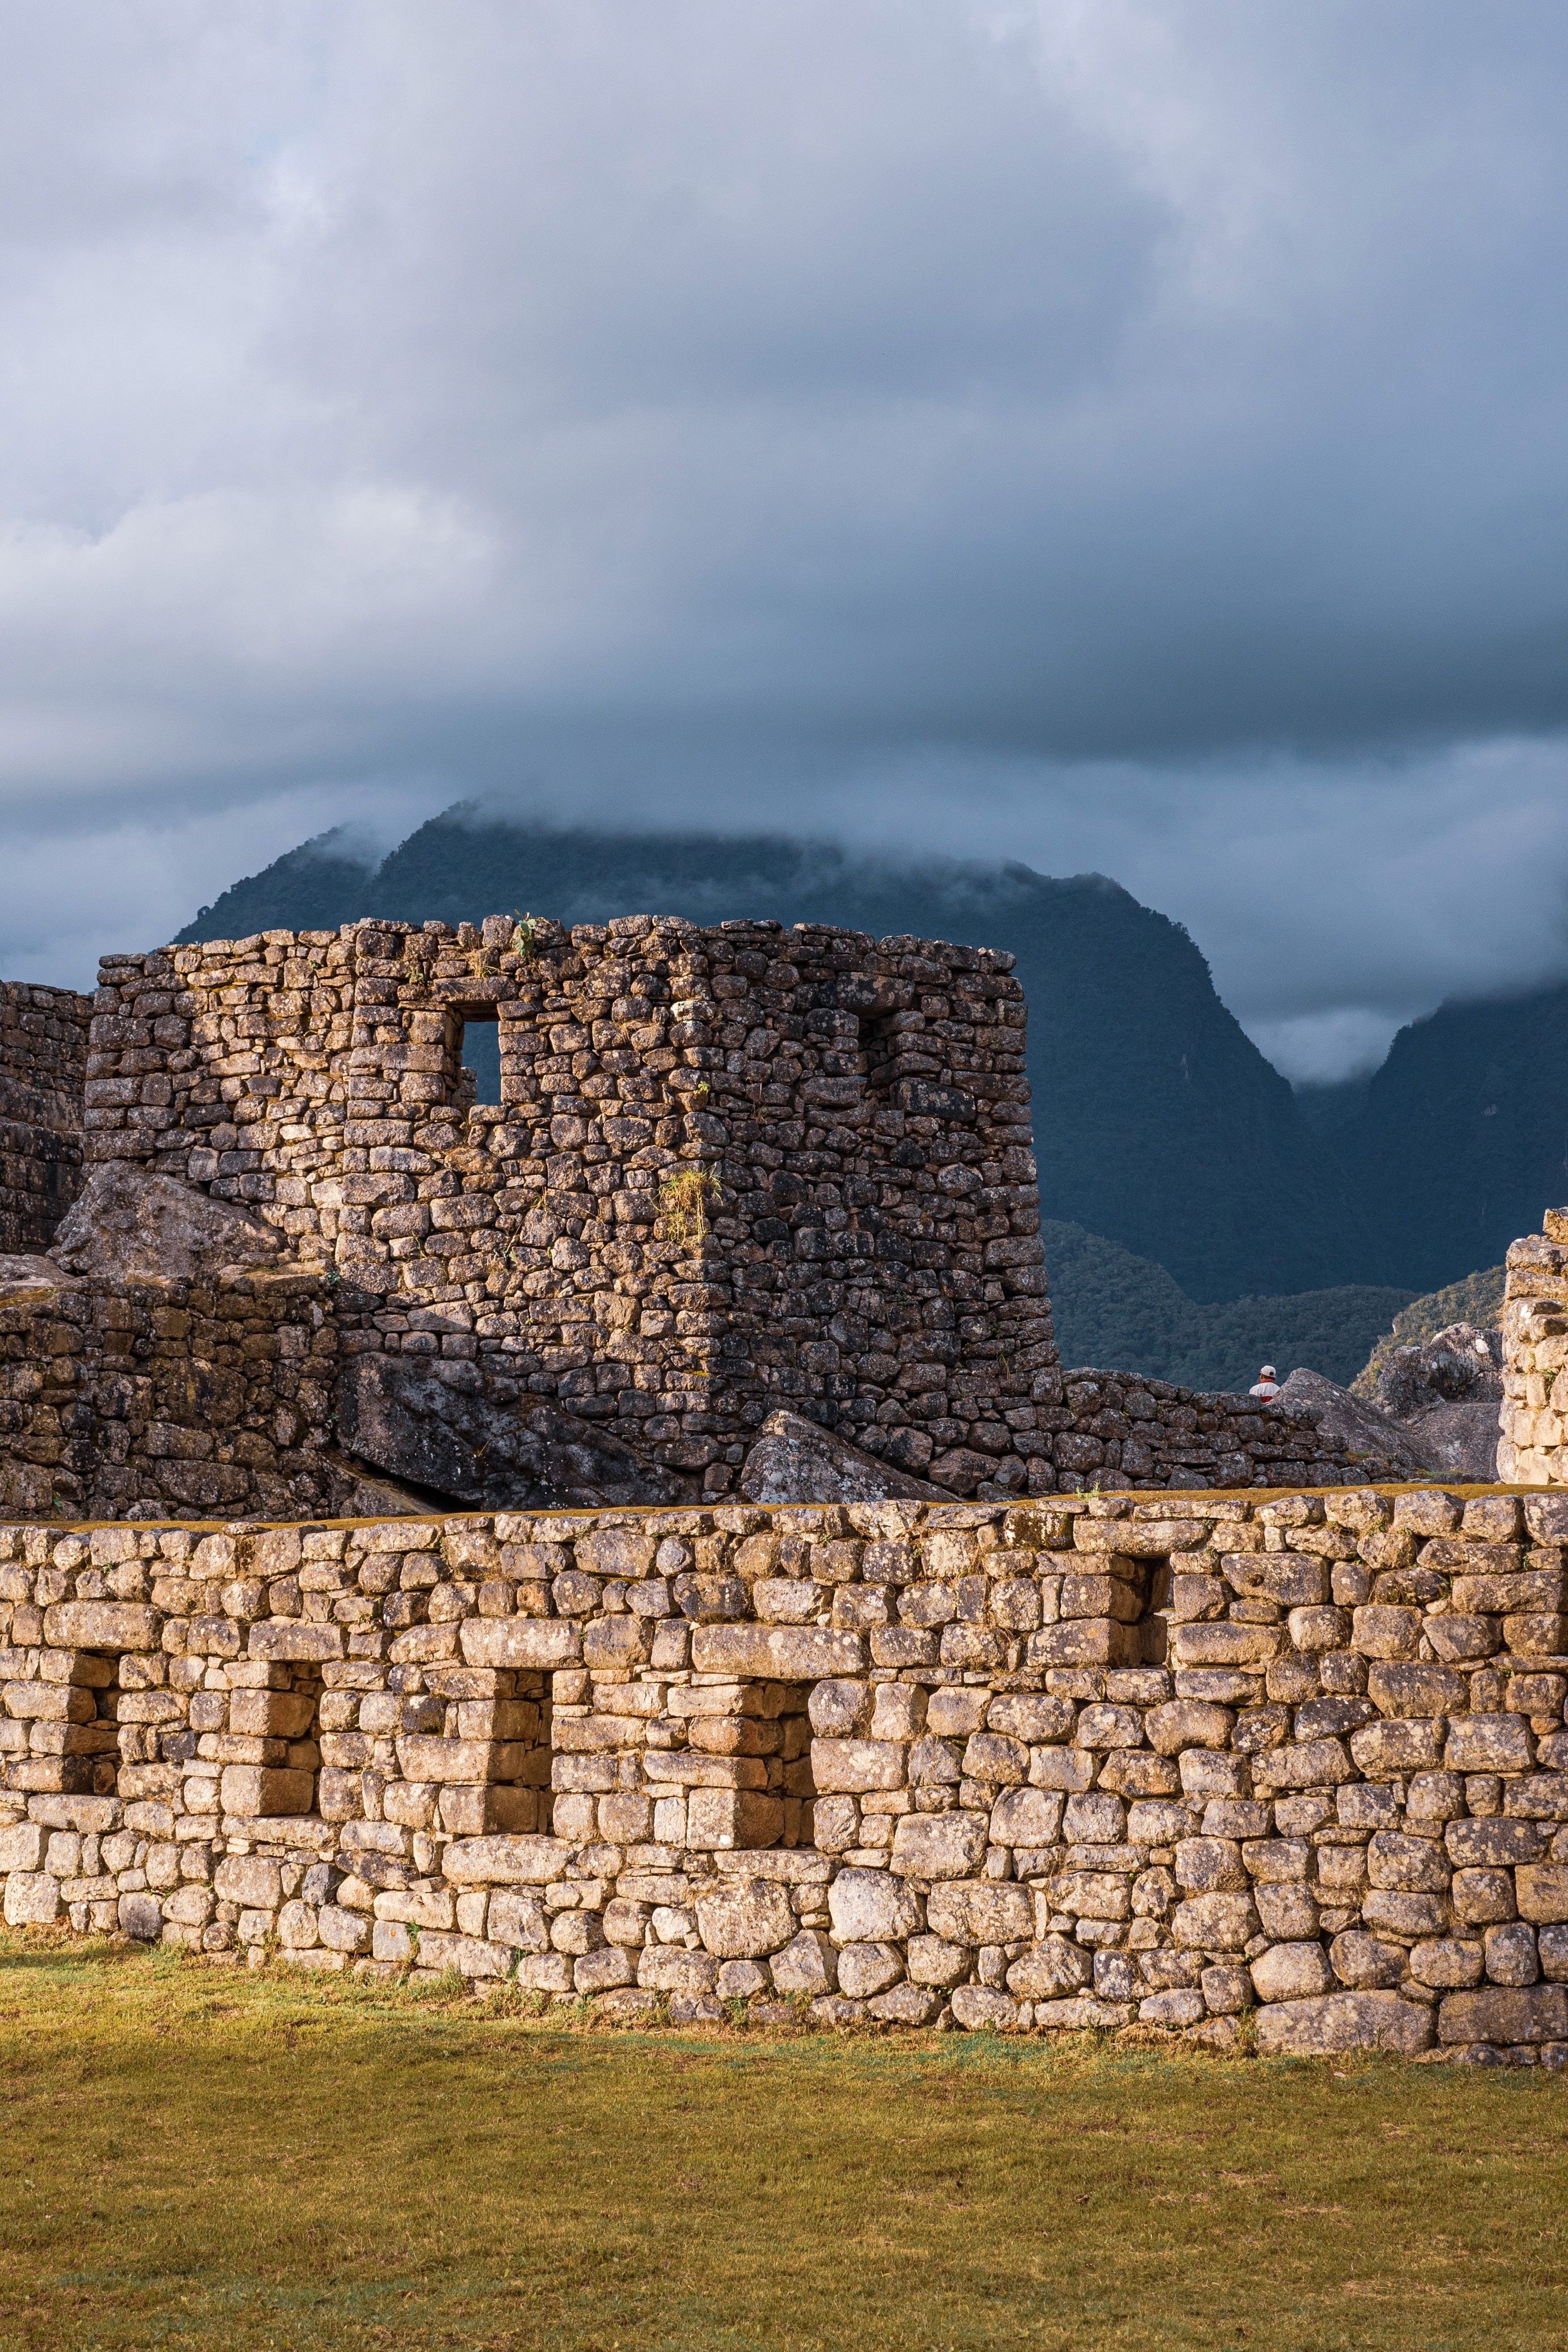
x=1122, y=1430
x=731, y=1169
x=148, y=1399
x=43, y=1068
x=1534, y=1444
x=1142, y=1765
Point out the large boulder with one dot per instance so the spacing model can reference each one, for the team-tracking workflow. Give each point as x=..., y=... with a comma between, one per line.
x=1461, y=1364
x=441, y=1427
x=128, y=1226
x=795, y=1460
x=1461, y=1440
x=1382, y=1446
x=360, y=1494
x=1435, y=1414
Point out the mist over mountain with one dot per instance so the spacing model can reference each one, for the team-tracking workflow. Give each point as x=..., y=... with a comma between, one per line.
x=1157, y=1121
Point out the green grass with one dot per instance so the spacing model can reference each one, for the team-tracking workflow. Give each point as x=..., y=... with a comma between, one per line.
x=196, y=2156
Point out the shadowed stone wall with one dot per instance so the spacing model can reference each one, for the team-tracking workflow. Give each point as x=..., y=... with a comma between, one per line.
x=149, y=1399
x=43, y=1068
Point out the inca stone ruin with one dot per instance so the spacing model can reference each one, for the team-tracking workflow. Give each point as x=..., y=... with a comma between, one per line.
x=732, y=1171
x=636, y=1539
x=1038, y=1767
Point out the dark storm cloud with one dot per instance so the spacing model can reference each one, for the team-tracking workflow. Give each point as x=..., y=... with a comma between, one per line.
x=1116, y=436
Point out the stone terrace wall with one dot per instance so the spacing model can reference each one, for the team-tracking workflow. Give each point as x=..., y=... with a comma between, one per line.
x=1121, y=1430
x=732, y=1169
x=1035, y=1768
x=43, y=1070
x=1534, y=1444
x=143, y=1400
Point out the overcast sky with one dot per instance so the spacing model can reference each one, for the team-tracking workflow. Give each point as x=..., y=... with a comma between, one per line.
x=1116, y=436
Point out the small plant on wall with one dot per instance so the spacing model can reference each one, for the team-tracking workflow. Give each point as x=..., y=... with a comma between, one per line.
x=683, y=1198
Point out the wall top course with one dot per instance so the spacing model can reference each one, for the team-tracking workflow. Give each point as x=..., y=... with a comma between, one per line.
x=1200, y=1503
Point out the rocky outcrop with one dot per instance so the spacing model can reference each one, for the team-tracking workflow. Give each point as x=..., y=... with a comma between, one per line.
x=1456, y=1441
x=1448, y=1393
x=1459, y=1441
x=32, y=1281
x=1369, y=1436
x=794, y=1461
x=128, y=1226
x=1458, y=1365
x=445, y=1430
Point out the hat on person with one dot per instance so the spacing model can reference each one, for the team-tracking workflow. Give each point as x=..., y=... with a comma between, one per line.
x=1268, y=1373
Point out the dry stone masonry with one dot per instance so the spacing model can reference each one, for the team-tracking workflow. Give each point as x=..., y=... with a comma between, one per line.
x=731, y=1172
x=139, y=1398
x=43, y=1070
x=1533, y=1448
x=1209, y=1765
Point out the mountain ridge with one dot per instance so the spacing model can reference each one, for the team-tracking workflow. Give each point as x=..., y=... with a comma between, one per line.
x=1136, y=1064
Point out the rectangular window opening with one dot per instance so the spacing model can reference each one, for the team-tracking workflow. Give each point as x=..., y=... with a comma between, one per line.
x=878, y=1044
x=479, y=1058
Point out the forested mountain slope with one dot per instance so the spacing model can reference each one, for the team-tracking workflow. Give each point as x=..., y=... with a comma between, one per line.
x=1157, y=1121
x=1461, y=1139
x=1121, y=1312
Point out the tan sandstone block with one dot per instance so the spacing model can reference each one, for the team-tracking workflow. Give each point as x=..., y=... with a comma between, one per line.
x=256, y=1790
x=103, y=1625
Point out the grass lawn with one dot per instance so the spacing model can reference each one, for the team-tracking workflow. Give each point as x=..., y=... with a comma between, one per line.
x=195, y=2156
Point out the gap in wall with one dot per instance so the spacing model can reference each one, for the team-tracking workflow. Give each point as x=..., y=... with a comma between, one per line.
x=480, y=1052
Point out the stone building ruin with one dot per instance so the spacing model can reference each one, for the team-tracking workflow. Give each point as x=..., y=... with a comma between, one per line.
x=731, y=1173
x=988, y=1736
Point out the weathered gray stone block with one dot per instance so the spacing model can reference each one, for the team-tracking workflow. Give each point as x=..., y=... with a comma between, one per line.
x=140, y=1917
x=115, y=1625
x=808, y=1964
x=745, y=1918
x=796, y=1461
x=867, y=1969
x=126, y=1225
x=490, y=1861
x=871, y=1906
x=978, y=2007
x=1291, y=1972
x=460, y=1441
x=1343, y=2021
x=981, y=1911
x=1050, y=1970
x=1513, y=2015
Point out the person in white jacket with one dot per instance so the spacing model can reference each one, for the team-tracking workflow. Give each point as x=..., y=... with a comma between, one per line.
x=1266, y=1385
